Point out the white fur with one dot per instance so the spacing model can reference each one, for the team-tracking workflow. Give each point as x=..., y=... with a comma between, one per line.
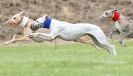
x=24, y=21
x=69, y=32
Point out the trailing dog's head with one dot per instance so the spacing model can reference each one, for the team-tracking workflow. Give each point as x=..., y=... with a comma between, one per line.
x=110, y=15
x=40, y=23
x=15, y=20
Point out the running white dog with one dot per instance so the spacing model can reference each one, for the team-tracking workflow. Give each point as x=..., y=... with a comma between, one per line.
x=70, y=32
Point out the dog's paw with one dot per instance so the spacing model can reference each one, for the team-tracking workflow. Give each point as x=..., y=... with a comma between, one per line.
x=33, y=35
x=124, y=45
x=30, y=35
x=6, y=43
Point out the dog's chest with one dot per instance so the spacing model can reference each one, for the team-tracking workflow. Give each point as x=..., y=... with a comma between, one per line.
x=71, y=33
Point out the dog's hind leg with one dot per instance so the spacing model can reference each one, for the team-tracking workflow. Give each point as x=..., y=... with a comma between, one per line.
x=112, y=33
x=87, y=40
x=110, y=48
x=106, y=45
x=123, y=38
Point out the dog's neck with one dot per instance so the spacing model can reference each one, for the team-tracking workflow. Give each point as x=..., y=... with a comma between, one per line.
x=47, y=22
x=24, y=21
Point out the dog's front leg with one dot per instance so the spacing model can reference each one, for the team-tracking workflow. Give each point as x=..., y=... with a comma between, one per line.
x=12, y=40
x=124, y=37
x=24, y=38
x=44, y=36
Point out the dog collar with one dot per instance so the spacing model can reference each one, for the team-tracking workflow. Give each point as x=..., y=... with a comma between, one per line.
x=24, y=21
x=115, y=16
x=47, y=22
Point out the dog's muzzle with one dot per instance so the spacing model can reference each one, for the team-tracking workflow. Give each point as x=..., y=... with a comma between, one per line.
x=36, y=27
x=103, y=19
x=33, y=27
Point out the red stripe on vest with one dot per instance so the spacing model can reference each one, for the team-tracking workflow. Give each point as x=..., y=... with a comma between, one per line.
x=116, y=16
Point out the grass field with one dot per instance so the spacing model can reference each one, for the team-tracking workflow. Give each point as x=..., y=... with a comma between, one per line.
x=66, y=60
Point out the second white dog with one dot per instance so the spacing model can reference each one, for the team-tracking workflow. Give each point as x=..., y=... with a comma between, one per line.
x=68, y=31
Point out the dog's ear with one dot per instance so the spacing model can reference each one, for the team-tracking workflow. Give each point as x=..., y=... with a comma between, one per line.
x=5, y=19
x=22, y=13
x=114, y=10
x=44, y=16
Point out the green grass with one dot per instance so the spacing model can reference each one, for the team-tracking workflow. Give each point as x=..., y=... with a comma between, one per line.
x=66, y=60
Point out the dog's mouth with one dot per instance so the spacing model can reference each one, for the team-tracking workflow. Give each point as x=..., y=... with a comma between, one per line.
x=11, y=23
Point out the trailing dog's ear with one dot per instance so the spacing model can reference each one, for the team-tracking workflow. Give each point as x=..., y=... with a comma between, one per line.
x=6, y=19
x=22, y=13
x=114, y=10
x=44, y=16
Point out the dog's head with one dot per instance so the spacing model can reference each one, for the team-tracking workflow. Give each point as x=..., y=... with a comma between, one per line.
x=107, y=15
x=15, y=20
x=38, y=23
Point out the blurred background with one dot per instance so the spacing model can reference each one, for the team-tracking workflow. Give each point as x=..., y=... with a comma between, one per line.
x=74, y=11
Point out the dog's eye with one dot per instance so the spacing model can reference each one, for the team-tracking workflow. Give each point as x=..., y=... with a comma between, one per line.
x=14, y=18
x=106, y=13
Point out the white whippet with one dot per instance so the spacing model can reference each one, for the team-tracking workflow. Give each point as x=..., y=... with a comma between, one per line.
x=68, y=31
